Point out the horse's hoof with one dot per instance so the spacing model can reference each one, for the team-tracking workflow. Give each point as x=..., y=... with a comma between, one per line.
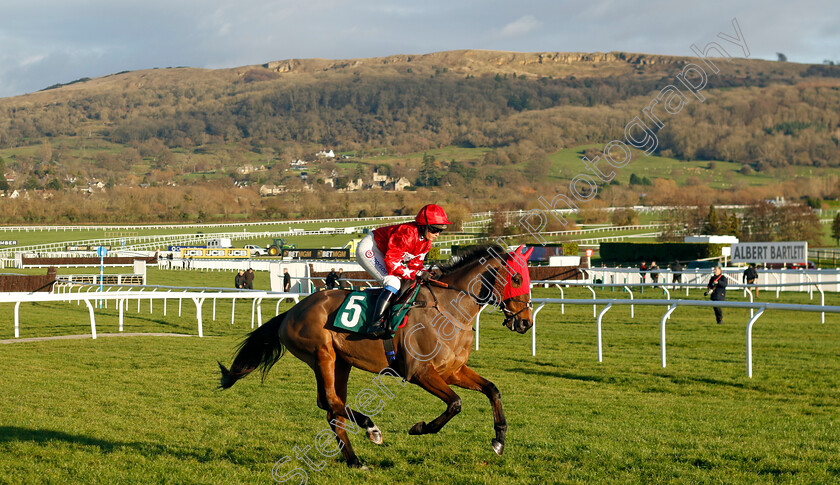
x=358, y=466
x=374, y=435
x=417, y=428
x=497, y=446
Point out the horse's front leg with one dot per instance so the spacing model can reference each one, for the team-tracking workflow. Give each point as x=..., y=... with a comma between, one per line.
x=469, y=379
x=430, y=380
x=342, y=375
x=327, y=372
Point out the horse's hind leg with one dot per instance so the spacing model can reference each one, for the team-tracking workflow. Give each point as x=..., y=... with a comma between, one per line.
x=469, y=379
x=431, y=381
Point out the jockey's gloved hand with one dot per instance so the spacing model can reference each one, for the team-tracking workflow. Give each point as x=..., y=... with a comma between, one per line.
x=423, y=276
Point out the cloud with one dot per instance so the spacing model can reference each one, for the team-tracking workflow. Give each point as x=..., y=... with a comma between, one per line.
x=521, y=26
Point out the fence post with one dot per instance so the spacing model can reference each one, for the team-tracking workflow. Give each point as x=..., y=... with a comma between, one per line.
x=598, y=324
x=749, y=340
x=662, y=330
x=92, y=320
x=17, y=319
x=198, y=302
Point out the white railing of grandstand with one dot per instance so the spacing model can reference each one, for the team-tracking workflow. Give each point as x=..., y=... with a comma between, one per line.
x=671, y=306
x=481, y=215
x=771, y=278
x=474, y=239
x=92, y=297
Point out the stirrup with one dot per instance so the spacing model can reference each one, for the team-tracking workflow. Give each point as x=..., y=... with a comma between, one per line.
x=379, y=329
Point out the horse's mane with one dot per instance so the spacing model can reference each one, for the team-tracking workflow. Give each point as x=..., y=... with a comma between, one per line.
x=469, y=257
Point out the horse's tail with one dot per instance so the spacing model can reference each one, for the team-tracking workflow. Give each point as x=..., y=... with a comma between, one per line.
x=260, y=349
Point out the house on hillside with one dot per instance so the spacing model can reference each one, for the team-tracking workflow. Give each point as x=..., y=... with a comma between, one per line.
x=298, y=164
x=269, y=190
x=325, y=154
x=397, y=185
x=379, y=178
x=352, y=185
x=249, y=168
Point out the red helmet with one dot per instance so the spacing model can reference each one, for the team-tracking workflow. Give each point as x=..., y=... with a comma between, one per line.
x=431, y=214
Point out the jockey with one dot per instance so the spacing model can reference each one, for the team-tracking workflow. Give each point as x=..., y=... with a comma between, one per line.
x=394, y=253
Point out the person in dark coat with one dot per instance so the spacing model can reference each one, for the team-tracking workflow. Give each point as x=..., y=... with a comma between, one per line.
x=287, y=281
x=717, y=288
x=676, y=267
x=331, y=279
x=249, y=279
x=239, y=280
x=654, y=272
x=750, y=275
x=338, y=281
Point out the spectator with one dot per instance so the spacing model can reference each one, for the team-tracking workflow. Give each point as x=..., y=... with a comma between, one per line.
x=717, y=287
x=642, y=271
x=331, y=279
x=654, y=272
x=338, y=281
x=676, y=267
x=750, y=275
x=239, y=280
x=287, y=281
x=249, y=279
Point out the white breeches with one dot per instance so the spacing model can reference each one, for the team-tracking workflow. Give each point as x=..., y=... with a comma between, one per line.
x=373, y=261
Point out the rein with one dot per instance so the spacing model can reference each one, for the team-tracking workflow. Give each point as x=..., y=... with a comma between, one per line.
x=509, y=315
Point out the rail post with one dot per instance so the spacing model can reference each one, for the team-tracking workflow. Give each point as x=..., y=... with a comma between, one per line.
x=92, y=320
x=594, y=305
x=534, y=330
x=662, y=330
x=598, y=324
x=477, y=323
x=749, y=340
x=198, y=302
x=632, y=311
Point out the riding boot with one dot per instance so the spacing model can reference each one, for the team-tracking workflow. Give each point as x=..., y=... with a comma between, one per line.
x=379, y=328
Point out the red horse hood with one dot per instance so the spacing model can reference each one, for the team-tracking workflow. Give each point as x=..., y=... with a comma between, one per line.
x=517, y=263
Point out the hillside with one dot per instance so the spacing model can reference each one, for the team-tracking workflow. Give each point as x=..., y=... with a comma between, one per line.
x=513, y=113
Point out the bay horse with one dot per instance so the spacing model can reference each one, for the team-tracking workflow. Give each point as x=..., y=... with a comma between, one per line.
x=432, y=347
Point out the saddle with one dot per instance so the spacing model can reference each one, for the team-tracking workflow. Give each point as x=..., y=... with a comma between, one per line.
x=356, y=312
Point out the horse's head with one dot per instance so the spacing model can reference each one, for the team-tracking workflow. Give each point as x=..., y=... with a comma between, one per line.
x=516, y=295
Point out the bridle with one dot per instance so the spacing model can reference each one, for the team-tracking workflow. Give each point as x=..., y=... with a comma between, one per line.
x=509, y=315
x=503, y=305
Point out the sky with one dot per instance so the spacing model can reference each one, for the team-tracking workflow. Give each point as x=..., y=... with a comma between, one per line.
x=44, y=42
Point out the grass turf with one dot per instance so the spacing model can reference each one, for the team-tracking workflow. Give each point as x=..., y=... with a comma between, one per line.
x=143, y=409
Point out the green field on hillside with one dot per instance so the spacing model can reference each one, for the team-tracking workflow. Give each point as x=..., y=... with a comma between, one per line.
x=567, y=163
x=145, y=409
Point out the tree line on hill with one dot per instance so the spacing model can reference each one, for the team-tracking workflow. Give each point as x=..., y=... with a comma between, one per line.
x=765, y=119
x=167, y=140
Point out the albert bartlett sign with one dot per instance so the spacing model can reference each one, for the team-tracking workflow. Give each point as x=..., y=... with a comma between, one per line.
x=770, y=252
